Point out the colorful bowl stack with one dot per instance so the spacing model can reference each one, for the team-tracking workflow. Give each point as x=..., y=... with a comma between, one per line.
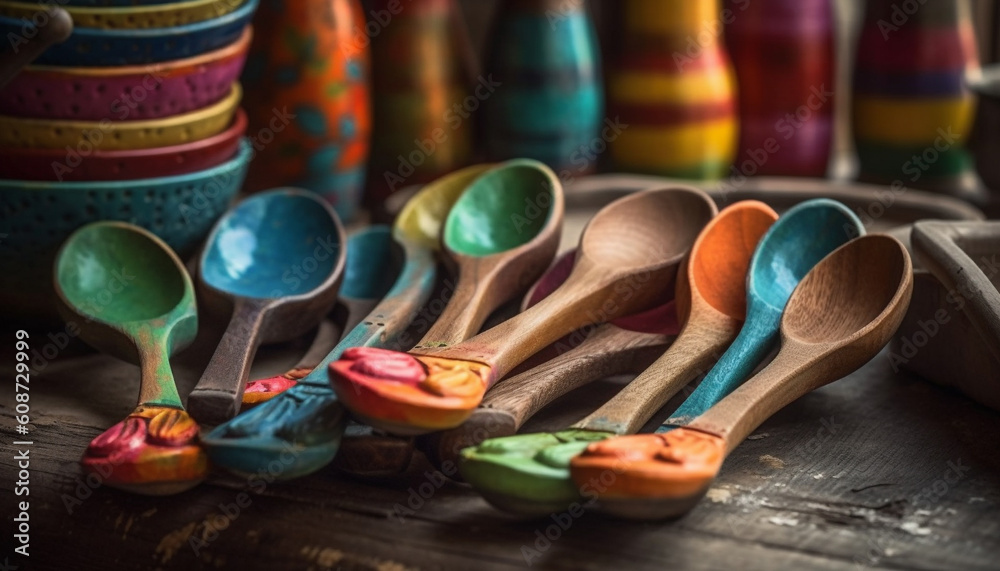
x=135, y=117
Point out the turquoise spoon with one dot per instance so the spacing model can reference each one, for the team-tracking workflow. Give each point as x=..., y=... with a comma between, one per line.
x=301, y=428
x=132, y=298
x=277, y=259
x=800, y=238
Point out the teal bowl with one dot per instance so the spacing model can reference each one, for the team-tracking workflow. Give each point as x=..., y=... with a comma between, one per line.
x=36, y=217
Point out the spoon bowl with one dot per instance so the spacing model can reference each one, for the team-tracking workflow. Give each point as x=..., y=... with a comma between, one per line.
x=373, y=261
x=618, y=271
x=275, y=261
x=131, y=297
x=844, y=311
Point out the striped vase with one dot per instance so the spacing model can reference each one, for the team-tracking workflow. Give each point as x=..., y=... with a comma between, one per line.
x=549, y=105
x=419, y=91
x=306, y=92
x=783, y=54
x=912, y=109
x=675, y=90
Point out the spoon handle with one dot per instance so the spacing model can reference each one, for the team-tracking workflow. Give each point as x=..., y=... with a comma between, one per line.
x=58, y=27
x=217, y=396
x=591, y=295
x=756, y=339
x=156, y=385
x=795, y=371
x=474, y=297
x=391, y=316
x=607, y=351
x=691, y=354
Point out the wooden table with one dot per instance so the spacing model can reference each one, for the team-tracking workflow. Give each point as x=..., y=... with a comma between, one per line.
x=877, y=470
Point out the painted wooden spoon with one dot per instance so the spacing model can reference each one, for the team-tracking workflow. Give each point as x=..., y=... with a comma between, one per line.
x=529, y=473
x=132, y=298
x=628, y=254
x=628, y=344
x=802, y=237
x=840, y=316
x=499, y=238
x=368, y=274
x=277, y=259
x=301, y=428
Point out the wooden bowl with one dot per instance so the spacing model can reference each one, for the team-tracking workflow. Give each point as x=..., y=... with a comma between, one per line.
x=131, y=17
x=95, y=47
x=36, y=217
x=88, y=136
x=58, y=165
x=126, y=93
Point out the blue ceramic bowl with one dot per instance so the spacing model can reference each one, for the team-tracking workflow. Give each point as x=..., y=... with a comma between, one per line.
x=93, y=47
x=36, y=217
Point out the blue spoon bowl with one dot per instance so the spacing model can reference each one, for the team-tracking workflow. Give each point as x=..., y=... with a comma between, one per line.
x=275, y=261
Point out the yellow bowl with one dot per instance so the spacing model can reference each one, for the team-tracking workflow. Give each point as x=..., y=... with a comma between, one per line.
x=106, y=135
x=131, y=17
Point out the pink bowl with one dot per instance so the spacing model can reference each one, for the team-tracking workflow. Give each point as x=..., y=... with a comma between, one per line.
x=126, y=93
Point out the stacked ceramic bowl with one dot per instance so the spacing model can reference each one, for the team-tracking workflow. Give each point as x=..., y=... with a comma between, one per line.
x=135, y=117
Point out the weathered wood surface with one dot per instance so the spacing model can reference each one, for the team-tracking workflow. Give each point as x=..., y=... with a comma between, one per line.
x=858, y=474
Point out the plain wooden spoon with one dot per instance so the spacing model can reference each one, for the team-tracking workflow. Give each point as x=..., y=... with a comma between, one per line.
x=369, y=273
x=307, y=419
x=628, y=255
x=841, y=315
x=276, y=260
x=528, y=474
x=131, y=297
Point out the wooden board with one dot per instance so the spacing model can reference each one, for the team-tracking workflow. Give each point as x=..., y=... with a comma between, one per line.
x=861, y=473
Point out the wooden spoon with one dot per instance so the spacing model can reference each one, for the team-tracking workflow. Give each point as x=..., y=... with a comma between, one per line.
x=841, y=315
x=628, y=344
x=132, y=298
x=277, y=259
x=529, y=473
x=628, y=254
x=798, y=241
x=368, y=274
x=302, y=427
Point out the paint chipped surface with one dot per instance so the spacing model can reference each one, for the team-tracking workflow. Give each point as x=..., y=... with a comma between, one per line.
x=719, y=495
x=173, y=542
x=783, y=520
x=772, y=461
x=913, y=528
x=760, y=436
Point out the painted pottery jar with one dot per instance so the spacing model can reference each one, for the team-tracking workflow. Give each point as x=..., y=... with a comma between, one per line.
x=783, y=54
x=548, y=105
x=673, y=91
x=306, y=92
x=912, y=108
x=421, y=99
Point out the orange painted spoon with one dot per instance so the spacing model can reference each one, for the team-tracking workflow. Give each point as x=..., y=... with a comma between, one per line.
x=628, y=254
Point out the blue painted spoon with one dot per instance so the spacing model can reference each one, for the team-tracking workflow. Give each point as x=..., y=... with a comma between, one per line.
x=276, y=259
x=299, y=431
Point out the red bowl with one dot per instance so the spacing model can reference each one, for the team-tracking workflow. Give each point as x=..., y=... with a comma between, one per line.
x=66, y=165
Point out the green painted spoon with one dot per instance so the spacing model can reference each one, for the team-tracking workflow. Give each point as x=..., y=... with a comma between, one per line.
x=300, y=430
x=276, y=260
x=131, y=297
